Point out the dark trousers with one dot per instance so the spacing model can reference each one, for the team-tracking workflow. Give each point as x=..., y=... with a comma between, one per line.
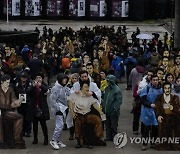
x=71, y=131
x=27, y=127
x=43, y=126
x=111, y=125
x=149, y=131
x=136, y=117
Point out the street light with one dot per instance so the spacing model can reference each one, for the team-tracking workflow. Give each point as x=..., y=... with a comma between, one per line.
x=172, y=10
x=7, y=11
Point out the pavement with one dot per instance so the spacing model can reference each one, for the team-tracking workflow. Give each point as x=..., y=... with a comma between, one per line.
x=125, y=120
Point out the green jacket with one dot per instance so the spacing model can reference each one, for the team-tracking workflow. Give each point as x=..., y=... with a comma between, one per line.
x=112, y=98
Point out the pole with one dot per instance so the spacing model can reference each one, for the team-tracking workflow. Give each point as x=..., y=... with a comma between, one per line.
x=7, y=11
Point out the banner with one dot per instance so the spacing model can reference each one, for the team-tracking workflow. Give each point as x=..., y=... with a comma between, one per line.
x=73, y=8
x=103, y=8
x=125, y=8
x=16, y=8
x=94, y=8
x=116, y=8
x=81, y=8
x=55, y=7
x=33, y=8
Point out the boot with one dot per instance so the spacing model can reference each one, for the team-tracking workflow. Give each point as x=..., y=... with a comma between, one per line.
x=45, y=141
x=78, y=145
x=35, y=141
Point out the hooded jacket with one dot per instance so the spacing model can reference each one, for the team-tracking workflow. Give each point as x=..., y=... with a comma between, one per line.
x=112, y=98
x=136, y=75
x=59, y=95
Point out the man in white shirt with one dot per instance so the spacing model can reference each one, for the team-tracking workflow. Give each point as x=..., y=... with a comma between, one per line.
x=93, y=88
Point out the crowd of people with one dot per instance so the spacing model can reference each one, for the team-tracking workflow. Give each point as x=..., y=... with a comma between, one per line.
x=89, y=65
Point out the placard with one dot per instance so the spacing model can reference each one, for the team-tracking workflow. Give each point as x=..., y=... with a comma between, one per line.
x=24, y=98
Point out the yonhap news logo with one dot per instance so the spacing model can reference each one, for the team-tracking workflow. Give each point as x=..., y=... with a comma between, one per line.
x=120, y=140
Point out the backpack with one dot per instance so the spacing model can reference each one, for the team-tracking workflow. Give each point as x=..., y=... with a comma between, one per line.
x=65, y=63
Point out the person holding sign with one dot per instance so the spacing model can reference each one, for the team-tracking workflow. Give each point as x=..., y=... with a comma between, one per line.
x=22, y=89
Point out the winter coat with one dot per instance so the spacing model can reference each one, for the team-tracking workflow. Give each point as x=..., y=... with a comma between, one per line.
x=20, y=89
x=43, y=100
x=116, y=63
x=112, y=98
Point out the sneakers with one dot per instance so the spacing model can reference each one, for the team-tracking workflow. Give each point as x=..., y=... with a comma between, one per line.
x=61, y=145
x=54, y=145
x=57, y=145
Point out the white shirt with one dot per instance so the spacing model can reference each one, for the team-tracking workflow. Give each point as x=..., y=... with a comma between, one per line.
x=82, y=103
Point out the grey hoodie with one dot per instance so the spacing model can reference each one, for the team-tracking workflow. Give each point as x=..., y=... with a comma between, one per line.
x=58, y=98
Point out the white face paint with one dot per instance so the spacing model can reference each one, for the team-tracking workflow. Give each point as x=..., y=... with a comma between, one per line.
x=5, y=84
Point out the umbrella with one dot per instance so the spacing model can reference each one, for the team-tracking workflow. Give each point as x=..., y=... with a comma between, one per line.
x=144, y=36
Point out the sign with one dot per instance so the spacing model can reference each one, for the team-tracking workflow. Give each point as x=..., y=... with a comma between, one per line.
x=125, y=8
x=33, y=7
x=16, y=8
x=116, y=8
x=73, y=8
x=55, y=7
x=103, y=8
x=81, y=8
x=23, y=96
x=94, y=8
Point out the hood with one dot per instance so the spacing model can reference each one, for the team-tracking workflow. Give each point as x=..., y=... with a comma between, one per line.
x=140, y=69
x=111, y=79
x=60, y=77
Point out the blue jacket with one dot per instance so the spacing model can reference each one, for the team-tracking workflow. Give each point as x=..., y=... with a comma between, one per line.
x=115, y=63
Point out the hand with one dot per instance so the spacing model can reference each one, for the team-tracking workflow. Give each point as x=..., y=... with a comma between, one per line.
x=160, y=119
x=74, y=115
x=171, y=107
x=153, y=105
x=34, y=83
x=39, y=84
x=89, y=93
x=78, y=92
